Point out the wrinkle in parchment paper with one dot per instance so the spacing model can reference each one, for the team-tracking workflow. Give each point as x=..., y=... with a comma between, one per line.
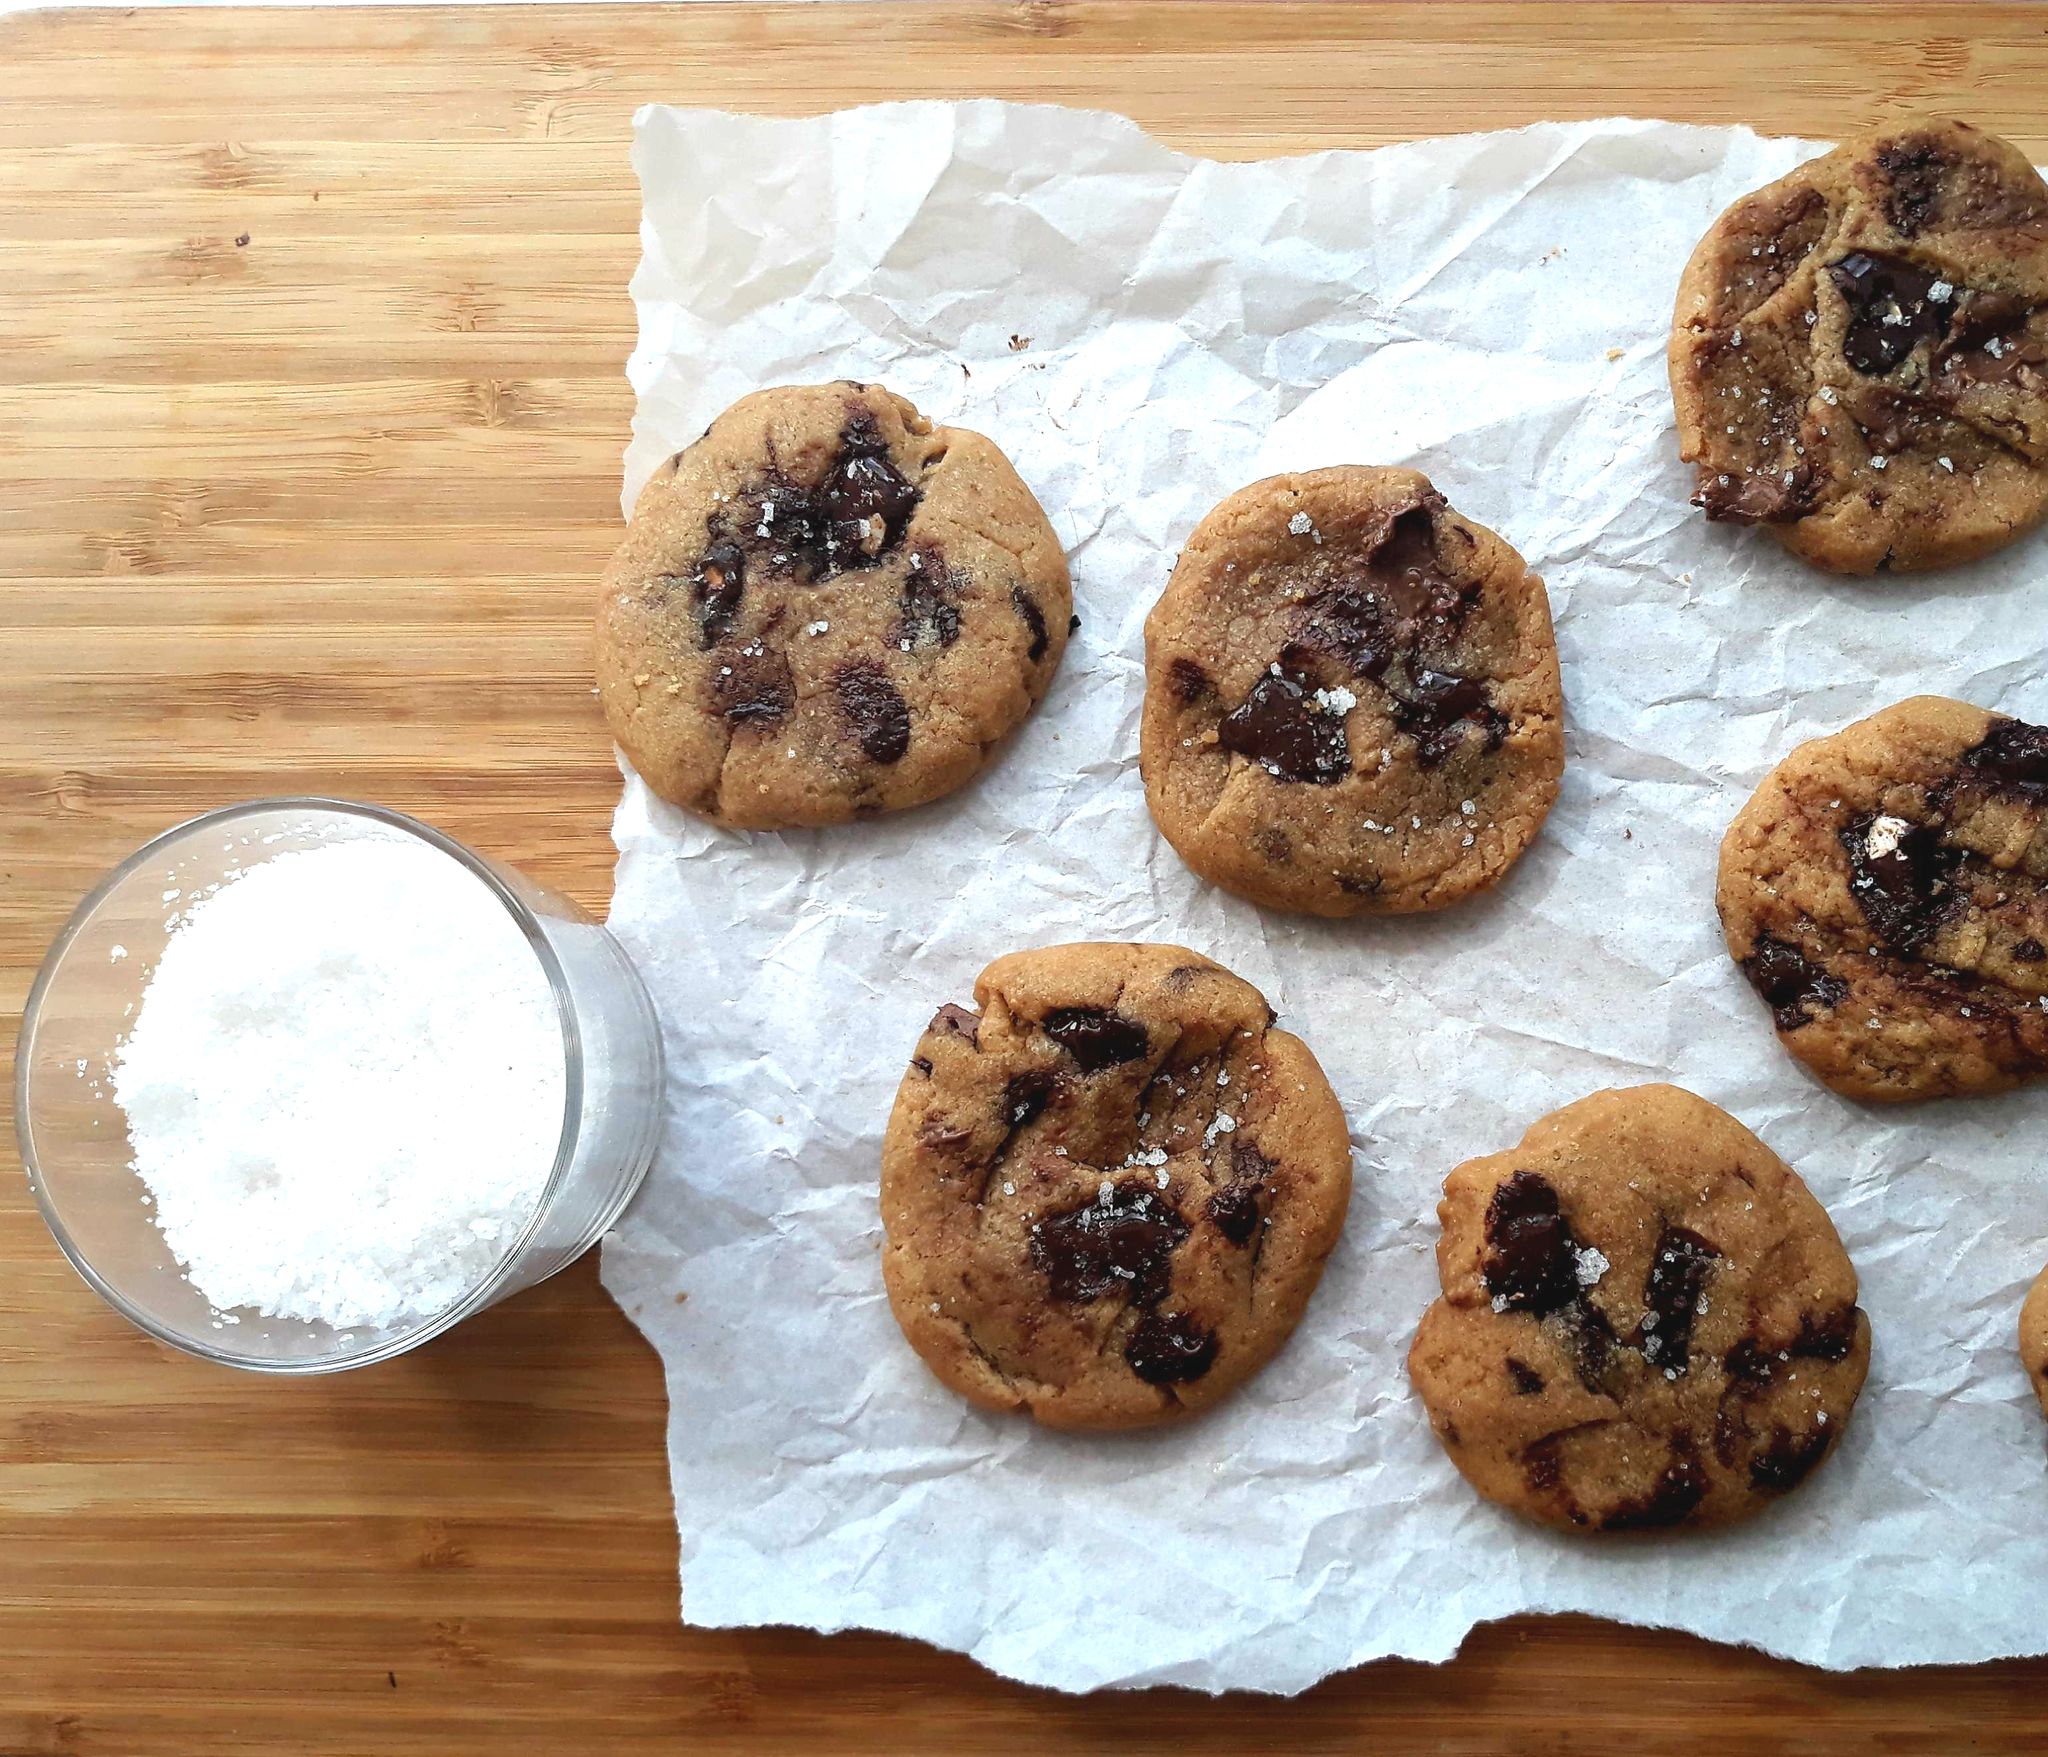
x=1144, y=332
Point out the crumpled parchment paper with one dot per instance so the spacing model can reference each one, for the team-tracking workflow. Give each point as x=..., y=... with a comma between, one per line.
x=1144, y=332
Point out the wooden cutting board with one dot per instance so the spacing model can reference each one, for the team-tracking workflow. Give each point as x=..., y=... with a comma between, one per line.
x=311, y=406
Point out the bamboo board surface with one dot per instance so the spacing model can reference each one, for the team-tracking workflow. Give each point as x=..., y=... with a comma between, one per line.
x=311, y=336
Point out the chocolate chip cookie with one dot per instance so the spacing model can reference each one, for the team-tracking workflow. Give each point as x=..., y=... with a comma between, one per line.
x=1647, y=1320
x=1859, y=357
x=1109, y=1191
x=1351, y=697
x=826, y=608
x=2034, y=1338
x=1886, y=893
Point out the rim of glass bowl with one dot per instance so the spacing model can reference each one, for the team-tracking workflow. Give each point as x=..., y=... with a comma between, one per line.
x=478, y=1295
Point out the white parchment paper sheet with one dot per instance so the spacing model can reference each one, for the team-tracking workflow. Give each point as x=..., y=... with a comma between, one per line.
x=1144, y=332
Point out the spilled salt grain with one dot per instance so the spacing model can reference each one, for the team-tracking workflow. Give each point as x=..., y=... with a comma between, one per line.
x=344, y=1087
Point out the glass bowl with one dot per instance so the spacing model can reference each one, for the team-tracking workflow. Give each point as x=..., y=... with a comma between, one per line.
x=74, y=1137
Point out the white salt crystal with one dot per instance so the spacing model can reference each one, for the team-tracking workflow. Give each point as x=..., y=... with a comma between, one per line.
x=344, y=1087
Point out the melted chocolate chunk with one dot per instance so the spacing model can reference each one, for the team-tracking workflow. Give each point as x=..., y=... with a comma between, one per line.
x=866, y=500
x=876, y=710
x=1788, y=1460
x=716, y=588
x=1351, y=623
x=1758, y=497
x=1890, y=311
x=1025, y=1097
x=1899, y=876
x=952, y=1021
x=928, y=608
x=1281, y=729
x=754, y=688
x=1681, y=1488
x=1033, y=618
x=1529, y=1264
x=1096, y=1038
x=1528, y=1381
x=1793, y=985
x=1543, y=1464
x=1592, y=1340
x=1830, y=1337
x=1188, y=681
x=2013, y=756
x=2029, y=951
x=1169, y=1348
x=1437, y=705
x=921, y=1065
x=1912, y=172
x=1426, y=604
x=1234, y=1209
x=1122, y=1245
x=1678, y=1276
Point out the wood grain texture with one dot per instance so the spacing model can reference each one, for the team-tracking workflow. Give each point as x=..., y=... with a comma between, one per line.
x=311, y=335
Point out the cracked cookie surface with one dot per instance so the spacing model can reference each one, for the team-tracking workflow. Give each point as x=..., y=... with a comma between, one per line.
x=1859, y=356
x=1352, y=701
x=1109, y=1191
x=827, y=608
x=1647, y=1319
x=1885, y=891
x=2034, y=1339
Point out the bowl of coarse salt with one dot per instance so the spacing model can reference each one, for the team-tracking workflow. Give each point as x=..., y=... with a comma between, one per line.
x=304, y=1083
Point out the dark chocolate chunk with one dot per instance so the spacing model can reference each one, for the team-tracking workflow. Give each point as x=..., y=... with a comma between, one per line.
x=921, y=1065
x=1188, y=681
x=866, y=500
x=952, y=1021
x=1543, y=1463
x=1592, y=1341
x=1436, y=706
x=876, y=709
x=754, y=687
x=1529, y=1264
x=2029, y=951
x=1890, y=311
x=1899, y=876
x=1681, y=1488
x=1679, y=1268
x=1122, y=1245
x=1528, y=1381
x=2013, y=755
x=1096, y=1038
x=928, y=608
x=716, y=589
x=1425, y=604
x=1234, y=1209
x=1025, y=1097
x=1286, y=733
x=1169, y=1348
x=1791, y=983
x=1771, y=496
x=1829, y=1337
x=1912, y=172
x=1034, y=622
x=1788, y=1460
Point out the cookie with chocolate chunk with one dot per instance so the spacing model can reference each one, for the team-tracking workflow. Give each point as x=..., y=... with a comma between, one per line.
x=827, y=607
x=1351, y=697
x=1859, y=357
x=2034, y=1339
x=1109, y=1190
x=1647, y=1320
x=1886, y=893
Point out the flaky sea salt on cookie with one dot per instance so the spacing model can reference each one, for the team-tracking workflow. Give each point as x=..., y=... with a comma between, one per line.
x=1352, y=701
